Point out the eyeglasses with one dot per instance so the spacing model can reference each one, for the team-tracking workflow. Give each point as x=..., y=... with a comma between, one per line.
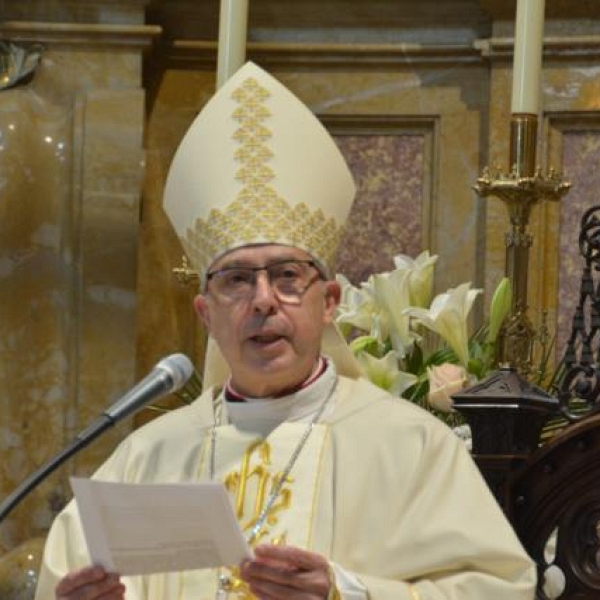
x=288, y=278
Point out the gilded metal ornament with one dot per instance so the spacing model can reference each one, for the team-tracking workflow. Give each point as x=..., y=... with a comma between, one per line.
x=520, y=190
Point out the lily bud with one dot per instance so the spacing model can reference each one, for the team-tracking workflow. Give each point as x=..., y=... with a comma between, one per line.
x=499, y=308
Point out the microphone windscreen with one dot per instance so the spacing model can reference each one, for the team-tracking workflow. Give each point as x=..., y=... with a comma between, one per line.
x=180, y=369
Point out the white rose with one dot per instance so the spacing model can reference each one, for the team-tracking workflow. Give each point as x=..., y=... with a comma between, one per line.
x=445, y=380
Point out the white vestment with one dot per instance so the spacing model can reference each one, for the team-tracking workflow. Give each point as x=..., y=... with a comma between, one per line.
x=381, y=488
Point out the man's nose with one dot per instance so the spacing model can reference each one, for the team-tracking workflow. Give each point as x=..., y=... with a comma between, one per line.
x=265, y=298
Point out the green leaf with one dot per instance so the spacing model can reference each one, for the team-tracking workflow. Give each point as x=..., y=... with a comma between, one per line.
x=414, y=360
x=441, y=356
x=476, y=367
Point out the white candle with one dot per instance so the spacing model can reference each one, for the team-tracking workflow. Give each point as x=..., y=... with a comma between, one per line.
x=527, y=65
x=233, y=26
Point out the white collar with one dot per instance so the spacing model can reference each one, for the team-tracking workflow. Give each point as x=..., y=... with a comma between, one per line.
x=268, y=413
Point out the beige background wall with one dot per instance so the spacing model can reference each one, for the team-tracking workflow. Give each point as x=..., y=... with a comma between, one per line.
x=72, y=168
x=416, y=92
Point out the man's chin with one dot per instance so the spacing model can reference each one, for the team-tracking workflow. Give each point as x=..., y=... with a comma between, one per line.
x=277, y=372
x=280, y=365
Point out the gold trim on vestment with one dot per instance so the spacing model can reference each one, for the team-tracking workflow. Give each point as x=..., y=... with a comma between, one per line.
x=317, y=488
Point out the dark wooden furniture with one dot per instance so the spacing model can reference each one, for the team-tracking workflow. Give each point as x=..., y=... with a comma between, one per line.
x=550, y=492
x=553, y=500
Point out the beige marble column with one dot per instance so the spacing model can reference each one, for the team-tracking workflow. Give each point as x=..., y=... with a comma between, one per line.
x=71, y=171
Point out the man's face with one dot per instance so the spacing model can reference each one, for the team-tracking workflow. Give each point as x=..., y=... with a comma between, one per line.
x=270, y=345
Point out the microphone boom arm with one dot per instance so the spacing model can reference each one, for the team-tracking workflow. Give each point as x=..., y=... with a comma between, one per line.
x=100, y=425
x=169, y=375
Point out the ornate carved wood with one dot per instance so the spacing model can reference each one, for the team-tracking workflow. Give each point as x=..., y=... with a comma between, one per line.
x=552, y=495
x=506, y=414
x=557, y=493
x=582, y=354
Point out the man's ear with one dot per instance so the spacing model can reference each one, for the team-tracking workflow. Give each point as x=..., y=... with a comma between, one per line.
x=333, y=294
x=202, y=310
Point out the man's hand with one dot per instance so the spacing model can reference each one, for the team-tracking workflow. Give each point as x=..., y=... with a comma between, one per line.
x=285, y=572
x=90, y=583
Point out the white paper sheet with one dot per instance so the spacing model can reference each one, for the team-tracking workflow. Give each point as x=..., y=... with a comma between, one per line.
x=135, y=529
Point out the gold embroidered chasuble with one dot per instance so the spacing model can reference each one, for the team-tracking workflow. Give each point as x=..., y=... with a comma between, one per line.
x=265, y=439
x=250, y=482
x=382, y=489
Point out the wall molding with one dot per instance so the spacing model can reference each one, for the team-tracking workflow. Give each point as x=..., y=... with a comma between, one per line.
x=583, y=47
x=131, y=37
x=203, y=54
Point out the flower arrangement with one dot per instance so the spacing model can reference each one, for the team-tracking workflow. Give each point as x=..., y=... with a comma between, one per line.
x=416, y=346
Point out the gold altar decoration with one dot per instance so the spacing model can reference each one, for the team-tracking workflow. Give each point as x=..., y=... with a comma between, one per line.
x=520, y=189
x=185, y=274
x=524, y=186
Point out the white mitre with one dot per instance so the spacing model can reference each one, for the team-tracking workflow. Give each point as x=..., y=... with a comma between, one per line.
x=257, y=167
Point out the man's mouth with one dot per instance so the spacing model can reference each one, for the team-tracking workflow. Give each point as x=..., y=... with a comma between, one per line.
x=267, y=338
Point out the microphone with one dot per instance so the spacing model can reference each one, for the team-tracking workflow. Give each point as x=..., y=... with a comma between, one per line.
x=169, y=375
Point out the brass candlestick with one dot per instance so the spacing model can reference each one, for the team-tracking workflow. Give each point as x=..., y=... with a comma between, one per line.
x=185, y=274
x=520, y=190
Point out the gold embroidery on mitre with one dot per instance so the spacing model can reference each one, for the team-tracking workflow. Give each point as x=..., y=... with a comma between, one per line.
x=251, y=486
x=258, y=214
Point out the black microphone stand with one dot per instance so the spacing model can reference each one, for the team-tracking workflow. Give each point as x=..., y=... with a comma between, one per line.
x=169, y=375
x=83, y=439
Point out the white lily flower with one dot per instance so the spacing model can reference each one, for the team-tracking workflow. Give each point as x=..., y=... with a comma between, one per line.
x=420, y=282
x=361, y=308
x=391, y=293
x=356, y=306
x=447, y=316
x=384, y=372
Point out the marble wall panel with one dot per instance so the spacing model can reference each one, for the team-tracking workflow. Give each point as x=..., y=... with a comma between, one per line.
x=66, y=72
x=71, y=173
x=581, y=156
x=35, y=163
x=111, y=181
x=387, y=216
x=570, y=137
x=164, y=305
